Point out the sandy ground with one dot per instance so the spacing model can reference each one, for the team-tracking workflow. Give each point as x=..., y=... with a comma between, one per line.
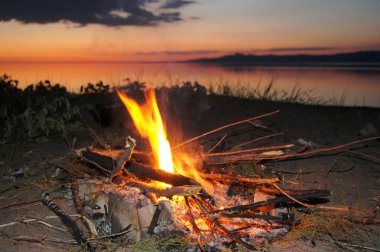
x=352, y=177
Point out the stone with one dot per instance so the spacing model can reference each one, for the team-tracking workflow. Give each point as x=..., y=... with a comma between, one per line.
x=122, y=214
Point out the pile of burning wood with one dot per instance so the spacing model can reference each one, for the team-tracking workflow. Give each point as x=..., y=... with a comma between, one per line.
x=166, y=190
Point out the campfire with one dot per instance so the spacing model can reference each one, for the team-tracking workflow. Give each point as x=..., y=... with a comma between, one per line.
x=168, y=189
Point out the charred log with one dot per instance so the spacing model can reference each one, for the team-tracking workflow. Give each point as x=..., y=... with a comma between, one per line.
x=139, y=170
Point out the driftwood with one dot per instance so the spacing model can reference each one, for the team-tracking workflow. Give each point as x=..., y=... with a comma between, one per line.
x=138, y=170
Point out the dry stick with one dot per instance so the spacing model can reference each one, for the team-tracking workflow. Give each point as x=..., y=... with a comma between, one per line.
x=227, y=153
x=334, y=208
x=252, y=216
x=256, y=140
x=239, y=179
x=300, y=153
x=195, y=227
x=276, y=200
x=321, y=149
x=224, y=127
x=97, y=138
x=28, y=239
x=169, y=192
x=371, y=158
x=154, y=221
x=220, y=226
x=217, y=144
x=67, y=221
x=32, y=220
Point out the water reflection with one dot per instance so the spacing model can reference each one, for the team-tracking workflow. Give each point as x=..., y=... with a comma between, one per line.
x=361, y=84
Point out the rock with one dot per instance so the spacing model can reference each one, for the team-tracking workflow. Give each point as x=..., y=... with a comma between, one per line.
x=122, y=215
x=369, y=130
x=145, y=215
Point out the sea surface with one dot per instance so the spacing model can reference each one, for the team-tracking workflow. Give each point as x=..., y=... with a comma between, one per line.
x=355, y=86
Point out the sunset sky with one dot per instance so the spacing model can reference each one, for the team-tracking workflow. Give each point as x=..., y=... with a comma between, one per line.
x=156, y=30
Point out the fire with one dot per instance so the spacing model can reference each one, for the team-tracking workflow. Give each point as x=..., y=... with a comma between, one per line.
x=148, y=121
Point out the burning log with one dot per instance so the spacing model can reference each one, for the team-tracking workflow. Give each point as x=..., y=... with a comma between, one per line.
x=139, y=170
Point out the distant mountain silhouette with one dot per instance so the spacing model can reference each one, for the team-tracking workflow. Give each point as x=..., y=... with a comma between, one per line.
x=354, y=58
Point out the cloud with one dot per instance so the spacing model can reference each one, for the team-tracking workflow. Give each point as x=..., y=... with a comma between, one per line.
x=176, y=4
x=178, y=52
x=84, y=12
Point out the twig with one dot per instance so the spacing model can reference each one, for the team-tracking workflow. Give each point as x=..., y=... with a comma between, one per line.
x=334, y=208
x=153, y=222
x=252, y=216
x=298, y=153
x=255, y=140
x=76, y=197
x=125, y=231
x=222, y=177
x=195, y=227
x=224, y=127
x=369, y=157
x=276, y=200
x=221, y=227
x=97, y=138
x=66, y=220
x=32, y=220
x=28, y=239
x=217, y=144
x=28, y=203
x=227, y=153
x=330, y=168
x=320, y=150
x=169, y=192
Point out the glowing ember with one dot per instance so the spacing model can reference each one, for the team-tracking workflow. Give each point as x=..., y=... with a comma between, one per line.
x=148, y=121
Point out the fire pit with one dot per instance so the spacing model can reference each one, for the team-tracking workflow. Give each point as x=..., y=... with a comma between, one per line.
x=164, y=190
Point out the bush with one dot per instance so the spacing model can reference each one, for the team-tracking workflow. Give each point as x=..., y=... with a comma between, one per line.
x=38, y=110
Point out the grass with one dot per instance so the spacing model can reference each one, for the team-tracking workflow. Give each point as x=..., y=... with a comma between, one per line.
x=326, y=227
x=270, y=93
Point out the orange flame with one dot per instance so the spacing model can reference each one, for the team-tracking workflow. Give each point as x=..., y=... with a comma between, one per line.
x=148, y=121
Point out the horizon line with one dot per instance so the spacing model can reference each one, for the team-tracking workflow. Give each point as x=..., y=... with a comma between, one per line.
x=172, y=61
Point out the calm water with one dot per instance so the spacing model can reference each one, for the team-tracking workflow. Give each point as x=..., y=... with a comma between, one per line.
x=361, y=85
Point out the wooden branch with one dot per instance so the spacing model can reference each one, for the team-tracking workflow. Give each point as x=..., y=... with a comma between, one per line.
x=67, y=221
x=229, y=153
x=223, y=177
x=195, y=227
x=221, y=227
x=255, y=140
x=319, y=150
x=224, y=127
x=139, y=170
x=334, y=208
x=153, y=222
x=252, y=216
x=169, y=192
x=277, y=200
x=299, y=153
